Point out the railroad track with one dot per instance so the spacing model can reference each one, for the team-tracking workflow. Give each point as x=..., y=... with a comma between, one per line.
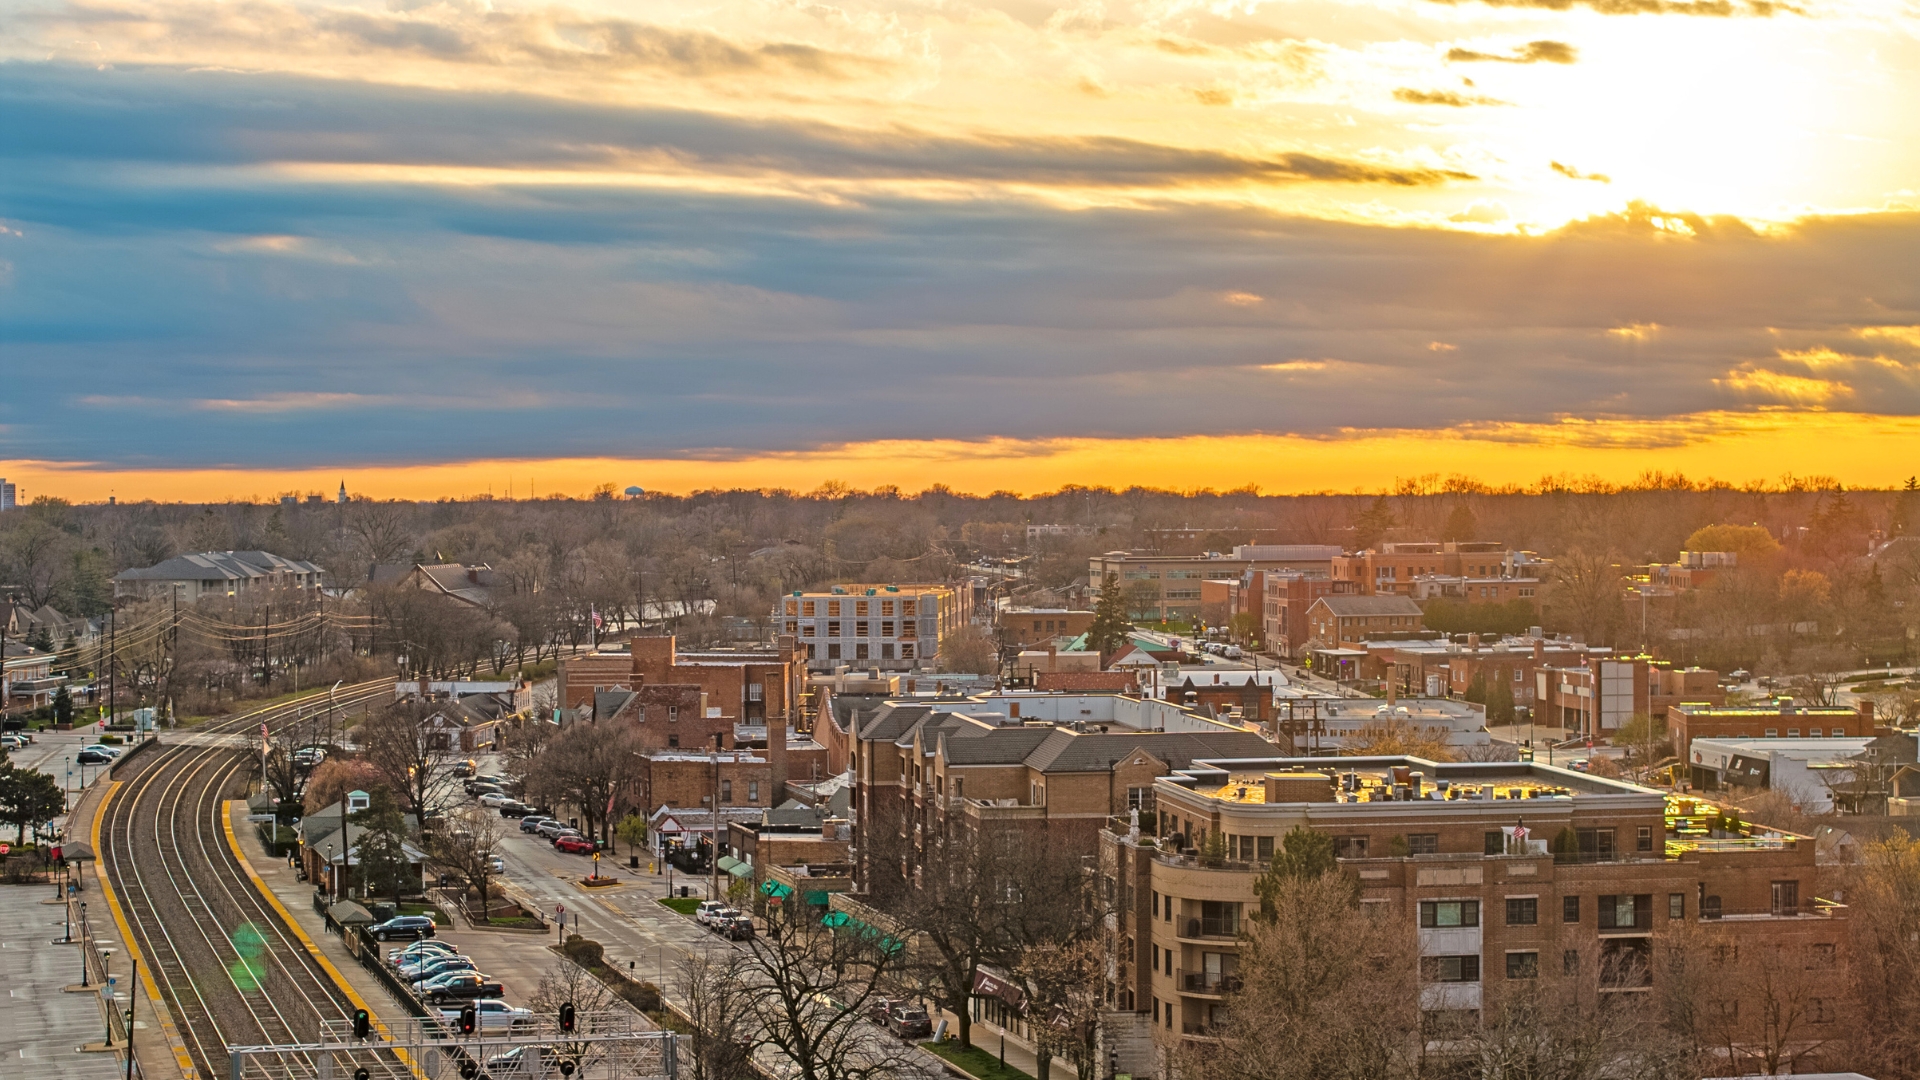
x=228, y=967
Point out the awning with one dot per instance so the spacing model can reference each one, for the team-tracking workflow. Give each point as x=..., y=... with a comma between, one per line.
x=740, y=870
x=840, y=920
x=728, y=862
x=774, y=889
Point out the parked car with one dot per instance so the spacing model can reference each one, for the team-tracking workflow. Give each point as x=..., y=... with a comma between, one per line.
x=720, y=917
x=402, y=926
x=494, y=1014
x=495, y=799
x=909, y=1021
x=707, y=909
x=532, y=822
x=460, y=986
x=738, y=928
x=434, y=967
x=110, y=751
x=497, y=864
x=574, y=844
x=480, y=787
x=309, y=756
x=515, y=809
x=540, y=1061
x=12, y=742
x=94, y=755
x=419, y=949
x=550, y=829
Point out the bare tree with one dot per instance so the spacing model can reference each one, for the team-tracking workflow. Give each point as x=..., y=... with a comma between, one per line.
x=415, y=759
x=1065, y=994
x=805, y=989
x=1883, y=957
x=585, y=764
x=716, y=1003
x=465, y=846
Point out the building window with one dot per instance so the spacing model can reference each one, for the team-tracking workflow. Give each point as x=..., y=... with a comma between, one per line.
x=673, y=713
x=886, y=607
x=860, y=628
x=673, y=741
x=1793, y=733
x=806, y=630
x=1820, y=1010
x=1443, y=913
x=1626, y=912
x=833, y=651
x=753, y=791
x=1450, y=968
x=860, y=607
x=810, y=652
x=1676, y=905
x=1773, y=733
x=1569, y=909
x=1265, y=851
x=1523, y=965
x=1523, y=910
x=1349, y=847
x=886, y=629
x=906, y=607
x=793, y=626
x=833, y=629
x=1570, y=962
x=833, y=607
x=860, y=651
x=1423, y=843
x=1814, y=733
x=1820, y=956
x=726, y=791
x=806, y=607
x=1643, y=838
x=906, y=650
x=886, y=650
x=1786, y=898
x=1495, y=843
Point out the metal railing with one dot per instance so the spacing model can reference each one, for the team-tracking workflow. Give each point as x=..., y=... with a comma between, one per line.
x=1207, y=928
x=1209, y=982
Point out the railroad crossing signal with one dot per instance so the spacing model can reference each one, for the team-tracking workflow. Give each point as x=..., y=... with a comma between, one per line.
x=362, y=1023
x=361, y=1073
x=469, y=1019
x=566, y=1017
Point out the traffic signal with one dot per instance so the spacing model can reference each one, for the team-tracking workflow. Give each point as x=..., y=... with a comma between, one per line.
x=566, y=1017
x=362, y=1023
x=469, y=1019
x=469, y=1069
x=361, y=1073
x=566, y=1067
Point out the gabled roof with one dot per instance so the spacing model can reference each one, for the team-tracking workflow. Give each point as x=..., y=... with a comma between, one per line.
x=892, y=720
x=1008, y=746
x=1368, y=605
x=472, y=584
x=219, y=566
x=1070, y=751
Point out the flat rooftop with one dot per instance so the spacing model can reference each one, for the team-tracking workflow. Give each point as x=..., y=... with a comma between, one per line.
x=1392, y=779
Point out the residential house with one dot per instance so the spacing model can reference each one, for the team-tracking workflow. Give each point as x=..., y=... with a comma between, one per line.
x=191, y=578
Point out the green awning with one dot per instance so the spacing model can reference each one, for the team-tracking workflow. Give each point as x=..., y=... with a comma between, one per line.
x=775, y=889
x=818, y=899
x=739, y=869
x=840, y=920
x=728, y=862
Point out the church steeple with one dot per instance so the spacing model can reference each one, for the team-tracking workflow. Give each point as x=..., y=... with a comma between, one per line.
x=343, y=492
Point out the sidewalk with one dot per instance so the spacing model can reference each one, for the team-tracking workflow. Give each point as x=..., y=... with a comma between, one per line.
x=41, y=1027
x=1017, y=1053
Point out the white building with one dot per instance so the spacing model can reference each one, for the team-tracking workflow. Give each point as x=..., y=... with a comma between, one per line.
x=1803, y=769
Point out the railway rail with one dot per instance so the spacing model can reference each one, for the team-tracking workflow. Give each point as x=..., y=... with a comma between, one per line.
x=227, y=965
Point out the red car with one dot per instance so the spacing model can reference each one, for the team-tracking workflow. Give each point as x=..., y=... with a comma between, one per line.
x=574, y=845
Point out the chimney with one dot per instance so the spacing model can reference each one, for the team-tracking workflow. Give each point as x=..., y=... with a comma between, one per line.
x=777, y=757
x=1539, y=650
x=473, y=575
x=1473, y=642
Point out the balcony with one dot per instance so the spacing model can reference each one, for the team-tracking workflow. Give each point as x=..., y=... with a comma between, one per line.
x=1197, y=929
x=1208, y=983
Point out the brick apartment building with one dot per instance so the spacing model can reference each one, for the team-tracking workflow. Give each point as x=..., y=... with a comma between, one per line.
x=924, y=768
x=890, y=627
x=1286, y=596
x=1434, y=846
x=1345, y=622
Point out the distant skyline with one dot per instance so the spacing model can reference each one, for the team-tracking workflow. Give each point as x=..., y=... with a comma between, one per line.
x=1309, y=245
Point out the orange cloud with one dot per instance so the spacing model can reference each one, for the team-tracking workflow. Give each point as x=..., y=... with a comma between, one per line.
x=1861, y=450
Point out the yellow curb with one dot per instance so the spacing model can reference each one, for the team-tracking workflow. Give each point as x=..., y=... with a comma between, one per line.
x=174, y=1041
x=313, y=950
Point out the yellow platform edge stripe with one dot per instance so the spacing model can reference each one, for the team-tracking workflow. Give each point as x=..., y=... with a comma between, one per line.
x=313, y=950
x=174, y=1041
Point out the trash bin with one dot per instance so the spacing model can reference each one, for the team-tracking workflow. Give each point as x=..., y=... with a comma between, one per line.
x=683, y=890
x=633, y=862
x=384, y=911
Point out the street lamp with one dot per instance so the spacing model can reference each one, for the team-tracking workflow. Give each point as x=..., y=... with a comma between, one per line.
x=330, y=893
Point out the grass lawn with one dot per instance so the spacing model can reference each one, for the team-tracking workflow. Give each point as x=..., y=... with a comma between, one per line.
x=976, y=1061
x=685, y=905
x=439, y=917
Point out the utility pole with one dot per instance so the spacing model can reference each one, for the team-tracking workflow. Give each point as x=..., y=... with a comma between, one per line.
x=266, y=648
x=113, y=655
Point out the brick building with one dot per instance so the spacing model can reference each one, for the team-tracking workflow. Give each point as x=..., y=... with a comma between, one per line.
x=1287, y=596
x=1168, y=587
x=1484, y=908
x=1344, y=622
x=1024, y=627
x=1687, y=721
x=1392, y=569
x=923, y=768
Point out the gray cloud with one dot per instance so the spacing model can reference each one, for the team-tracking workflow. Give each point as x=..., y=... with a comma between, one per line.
x=448, y=322
x=1450, y=98
x=1533, y=52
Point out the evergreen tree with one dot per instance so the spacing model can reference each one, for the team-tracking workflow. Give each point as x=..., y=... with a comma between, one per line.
x=384, y=867
x=62, y=706
x=1110, y=623
x=28, y=797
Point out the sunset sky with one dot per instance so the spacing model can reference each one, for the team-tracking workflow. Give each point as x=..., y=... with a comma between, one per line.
x=437, y=249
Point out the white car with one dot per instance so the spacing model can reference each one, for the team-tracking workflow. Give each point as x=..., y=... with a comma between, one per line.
x=705, y=913
x=494, y=1014
x=495, y=798
x=12, y=742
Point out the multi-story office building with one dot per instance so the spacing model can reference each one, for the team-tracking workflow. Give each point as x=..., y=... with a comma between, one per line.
x=890, y=627
x=1394, y=568
x=1498, y=873
x=1690, y=720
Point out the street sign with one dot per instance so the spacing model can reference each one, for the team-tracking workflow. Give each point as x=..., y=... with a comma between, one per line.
x=559, y=909
x=596, y=855
x=259, y=818
x=4, y=849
